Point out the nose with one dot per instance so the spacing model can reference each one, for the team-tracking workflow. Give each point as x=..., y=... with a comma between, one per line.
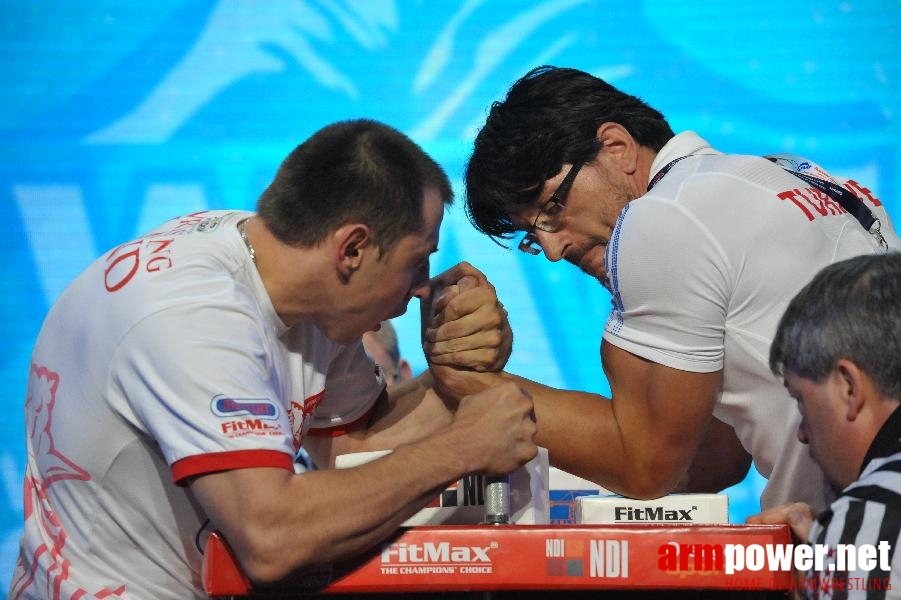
x=422, y=285
x=802, y=437
x=550, y=244
x=421, y=291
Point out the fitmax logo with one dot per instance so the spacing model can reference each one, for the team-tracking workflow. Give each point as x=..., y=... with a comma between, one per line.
x=441, y=552
x=651, y=513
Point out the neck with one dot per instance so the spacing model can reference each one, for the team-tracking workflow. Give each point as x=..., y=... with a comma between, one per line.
x=289, y=274
x=645, y=159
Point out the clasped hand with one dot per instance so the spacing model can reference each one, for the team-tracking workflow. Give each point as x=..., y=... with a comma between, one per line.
x=465, y=328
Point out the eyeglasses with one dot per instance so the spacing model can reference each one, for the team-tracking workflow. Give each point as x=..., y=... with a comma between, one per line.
x=548, y=217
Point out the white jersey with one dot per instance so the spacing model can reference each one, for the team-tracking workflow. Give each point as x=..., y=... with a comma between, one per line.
x=701, y=269
x=164, y=360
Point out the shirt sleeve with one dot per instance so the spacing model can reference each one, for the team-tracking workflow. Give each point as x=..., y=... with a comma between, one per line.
x=668, y=279
x=196, y=377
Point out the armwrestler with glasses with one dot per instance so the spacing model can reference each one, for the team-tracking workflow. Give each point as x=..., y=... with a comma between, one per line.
x=700, y=251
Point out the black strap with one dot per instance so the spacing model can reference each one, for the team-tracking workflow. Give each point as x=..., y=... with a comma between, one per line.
x=844, y=197
x=847, y=199
x=664, y=171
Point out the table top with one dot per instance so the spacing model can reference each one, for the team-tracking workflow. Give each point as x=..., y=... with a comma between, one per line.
x=537, y=557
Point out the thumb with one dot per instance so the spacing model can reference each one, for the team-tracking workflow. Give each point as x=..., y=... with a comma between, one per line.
x=799, y=523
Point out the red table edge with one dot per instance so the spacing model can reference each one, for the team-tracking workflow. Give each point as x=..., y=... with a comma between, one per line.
x=222, y=575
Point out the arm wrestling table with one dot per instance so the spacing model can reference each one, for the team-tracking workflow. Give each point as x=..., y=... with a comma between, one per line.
x=530, y=557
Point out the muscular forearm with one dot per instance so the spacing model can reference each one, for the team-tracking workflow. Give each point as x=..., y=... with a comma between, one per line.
x=412, y=411
x=578, y=429
x=278, y=522
x=620, y=444
x=583, y=437
x=301, y=521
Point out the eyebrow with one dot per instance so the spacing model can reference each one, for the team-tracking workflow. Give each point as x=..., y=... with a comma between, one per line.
x=520, y=223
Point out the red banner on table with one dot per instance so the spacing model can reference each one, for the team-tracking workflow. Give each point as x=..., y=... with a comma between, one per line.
x=529, y=557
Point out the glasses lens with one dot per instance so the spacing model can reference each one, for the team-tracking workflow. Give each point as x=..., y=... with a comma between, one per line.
x=549, y=218
x=529, y=244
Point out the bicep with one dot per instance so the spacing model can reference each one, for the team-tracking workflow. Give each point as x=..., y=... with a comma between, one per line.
x=721, y=461
x=663, y=412
x=246, y=505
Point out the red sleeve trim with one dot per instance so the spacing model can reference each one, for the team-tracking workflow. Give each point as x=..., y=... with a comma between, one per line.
x=343, y=429
x=200, y=464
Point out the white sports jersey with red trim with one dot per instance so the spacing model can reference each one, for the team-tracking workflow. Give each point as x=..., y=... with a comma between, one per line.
x=701, y=269
x=165, y=359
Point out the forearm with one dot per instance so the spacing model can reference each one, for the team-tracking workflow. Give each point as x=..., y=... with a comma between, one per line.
x=278, y=522
x=365, y=504
x=302, y=521
x=584, y=437
x=620, y=444
x=412, y=410
x=570, y=425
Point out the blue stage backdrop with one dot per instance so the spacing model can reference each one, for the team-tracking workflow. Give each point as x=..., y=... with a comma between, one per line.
x=116, y=115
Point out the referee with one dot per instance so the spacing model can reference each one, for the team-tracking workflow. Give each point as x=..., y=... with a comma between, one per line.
x=838, y=347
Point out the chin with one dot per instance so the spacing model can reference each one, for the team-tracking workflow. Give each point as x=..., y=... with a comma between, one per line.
x=589, y=268
x=345, y=337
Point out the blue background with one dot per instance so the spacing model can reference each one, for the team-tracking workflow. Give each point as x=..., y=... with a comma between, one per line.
x=116, y=115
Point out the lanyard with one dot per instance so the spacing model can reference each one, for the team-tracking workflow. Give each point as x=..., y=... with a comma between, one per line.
x=664, y=171
x=845, y=198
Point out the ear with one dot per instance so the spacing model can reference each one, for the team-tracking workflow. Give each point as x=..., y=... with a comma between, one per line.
x=852, y=387
x=350, y=242
x=405, y=370
x=618, y=146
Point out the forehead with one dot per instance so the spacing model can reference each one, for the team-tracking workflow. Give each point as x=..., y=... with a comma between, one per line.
x=425, y=240
x=801, y=388
x=433, y=204
x=791, y=383
x=433, y=214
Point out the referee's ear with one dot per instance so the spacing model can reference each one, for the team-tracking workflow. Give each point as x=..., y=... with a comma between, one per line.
x=854, y=386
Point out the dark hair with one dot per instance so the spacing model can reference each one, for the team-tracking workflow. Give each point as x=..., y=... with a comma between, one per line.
x=357, y=171
x=851, y=310
x=549, y=117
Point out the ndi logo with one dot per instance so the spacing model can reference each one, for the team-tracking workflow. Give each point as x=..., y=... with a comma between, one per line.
x=606, y=558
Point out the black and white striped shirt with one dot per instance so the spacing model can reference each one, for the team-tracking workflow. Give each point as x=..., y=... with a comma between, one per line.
x=867, y=512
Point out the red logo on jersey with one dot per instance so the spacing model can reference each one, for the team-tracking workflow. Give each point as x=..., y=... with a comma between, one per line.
x=813, y=202
x=151, y=253
x=47, y=465
x=304, y=410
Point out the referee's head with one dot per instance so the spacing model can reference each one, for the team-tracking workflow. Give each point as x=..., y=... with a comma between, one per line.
x=838, y=346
